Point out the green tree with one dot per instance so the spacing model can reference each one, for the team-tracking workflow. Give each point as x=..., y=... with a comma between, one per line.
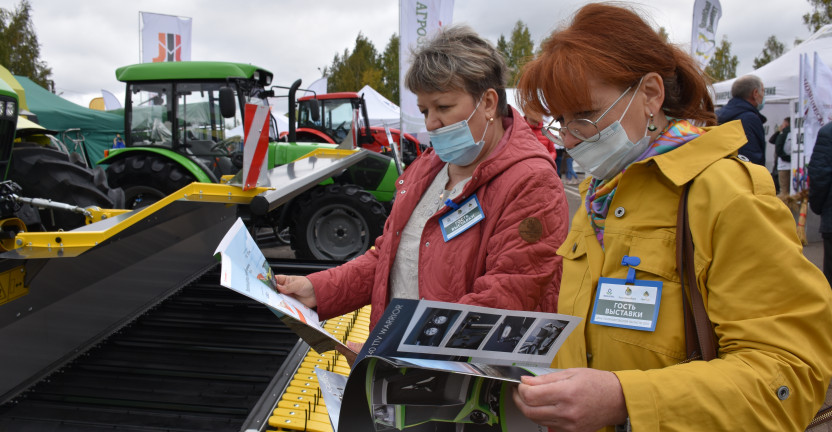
x=353, y=70
x=821, y=14
x=19, y=47
x=663, y=34
x=723, y=65
x=517, y=50
x=389, y=62
x=772, y=49
x=502, y=47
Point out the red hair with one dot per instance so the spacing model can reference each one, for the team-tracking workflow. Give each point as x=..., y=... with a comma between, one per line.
x=616, y=46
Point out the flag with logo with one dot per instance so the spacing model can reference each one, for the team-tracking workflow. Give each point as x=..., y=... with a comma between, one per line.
x=418, y=21
x=812, y=117
x=816, y=94
x=706, y=15
x=165, y=38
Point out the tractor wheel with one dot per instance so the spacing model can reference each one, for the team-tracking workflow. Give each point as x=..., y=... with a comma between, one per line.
x=147, y=178
x=408, y=151
x=48, y=173
x=335, y=222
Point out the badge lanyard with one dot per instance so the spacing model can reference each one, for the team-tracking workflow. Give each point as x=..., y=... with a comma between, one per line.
x=627, y=303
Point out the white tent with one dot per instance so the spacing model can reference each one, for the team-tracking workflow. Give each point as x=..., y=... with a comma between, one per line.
x=379, y=109
x=781, y=80
x=780, y=76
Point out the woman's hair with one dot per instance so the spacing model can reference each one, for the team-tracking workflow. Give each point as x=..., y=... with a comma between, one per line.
x=457, y=58
x=615, y=45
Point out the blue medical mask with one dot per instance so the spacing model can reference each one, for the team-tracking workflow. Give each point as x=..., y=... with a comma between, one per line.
x=762, y=104
x=613, y=151
x=455, y=144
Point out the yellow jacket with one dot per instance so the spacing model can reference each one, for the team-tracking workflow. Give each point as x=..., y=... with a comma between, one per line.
x=771, y=308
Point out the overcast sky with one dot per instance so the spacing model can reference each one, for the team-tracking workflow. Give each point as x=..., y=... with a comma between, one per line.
x=84, y=41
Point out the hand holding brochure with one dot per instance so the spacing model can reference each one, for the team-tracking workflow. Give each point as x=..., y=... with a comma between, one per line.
x=432, y=365
x=426, y=366
x=245, y=270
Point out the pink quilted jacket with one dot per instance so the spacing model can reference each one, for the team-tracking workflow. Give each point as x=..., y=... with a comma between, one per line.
x=506, y=261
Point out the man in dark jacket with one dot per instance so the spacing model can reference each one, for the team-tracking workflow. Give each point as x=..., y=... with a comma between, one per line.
x=820, y=192
x=747, y=99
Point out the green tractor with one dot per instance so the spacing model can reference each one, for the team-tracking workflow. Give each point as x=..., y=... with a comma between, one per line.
x=44, y=185
x=184, y=122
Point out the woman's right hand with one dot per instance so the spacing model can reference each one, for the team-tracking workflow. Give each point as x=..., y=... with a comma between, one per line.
x=298, y=287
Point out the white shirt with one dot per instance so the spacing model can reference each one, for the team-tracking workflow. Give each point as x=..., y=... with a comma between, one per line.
x=404, y=275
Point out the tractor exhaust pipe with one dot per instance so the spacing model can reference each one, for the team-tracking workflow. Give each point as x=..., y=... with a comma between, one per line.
x=292, y=116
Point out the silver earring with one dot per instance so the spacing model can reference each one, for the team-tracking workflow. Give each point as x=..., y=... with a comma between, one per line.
x=652, y=126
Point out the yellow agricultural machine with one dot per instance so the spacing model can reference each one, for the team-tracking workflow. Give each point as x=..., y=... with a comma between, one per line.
x=121, y=324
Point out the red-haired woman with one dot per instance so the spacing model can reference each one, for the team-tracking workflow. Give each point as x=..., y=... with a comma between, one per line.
x=635, y=113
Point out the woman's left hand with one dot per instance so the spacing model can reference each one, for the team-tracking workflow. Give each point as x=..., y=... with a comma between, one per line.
x=572, y=399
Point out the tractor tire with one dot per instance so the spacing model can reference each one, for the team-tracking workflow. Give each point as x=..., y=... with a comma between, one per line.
x=335, y=222
x=48, y=173
x=147, y=178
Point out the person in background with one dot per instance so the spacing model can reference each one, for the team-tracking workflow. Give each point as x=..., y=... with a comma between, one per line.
x=484, y=161
x=535, y=122
x=748, y=96
x=634, y=118
x=783, y=158
x=820, y=191
x=571, y=177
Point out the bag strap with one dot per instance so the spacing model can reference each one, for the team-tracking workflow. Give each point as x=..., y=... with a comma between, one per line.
x=698, y=328
x=699, y=335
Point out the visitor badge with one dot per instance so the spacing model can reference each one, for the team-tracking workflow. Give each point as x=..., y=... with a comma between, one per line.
x=627, y=305
x=463, y=216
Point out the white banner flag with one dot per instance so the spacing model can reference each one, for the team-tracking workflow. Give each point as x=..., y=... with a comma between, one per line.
x=811, y=111
x=317, y=87
x=418, y=21
x=110, y=100
x=165, y=38
x=818, y=98
x=706, y=15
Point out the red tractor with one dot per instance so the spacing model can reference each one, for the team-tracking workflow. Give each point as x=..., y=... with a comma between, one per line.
x=328, y=118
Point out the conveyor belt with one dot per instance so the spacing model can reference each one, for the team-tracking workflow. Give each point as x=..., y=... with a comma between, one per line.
x=301, y=407
x=198, y=361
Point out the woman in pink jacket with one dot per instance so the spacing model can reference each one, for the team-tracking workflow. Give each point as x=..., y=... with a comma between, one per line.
x=477, y=218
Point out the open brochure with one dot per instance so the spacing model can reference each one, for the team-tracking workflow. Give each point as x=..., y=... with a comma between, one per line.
x=431, y=366
x=245, y=270
x=426, y=365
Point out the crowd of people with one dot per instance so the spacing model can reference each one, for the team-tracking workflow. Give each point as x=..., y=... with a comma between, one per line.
x=637, y=116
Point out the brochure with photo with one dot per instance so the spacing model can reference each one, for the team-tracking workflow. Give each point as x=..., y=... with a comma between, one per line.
x=424, y=329
x=245, y=270
x=430, y=366
x=426, y=365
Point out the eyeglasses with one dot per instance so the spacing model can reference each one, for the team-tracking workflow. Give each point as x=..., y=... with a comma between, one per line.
x=583, y=129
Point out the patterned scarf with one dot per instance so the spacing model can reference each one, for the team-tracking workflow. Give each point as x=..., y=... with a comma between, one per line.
x=600, y=193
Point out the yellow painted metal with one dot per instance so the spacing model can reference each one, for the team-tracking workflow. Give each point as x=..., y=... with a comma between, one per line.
x=301, y=407
x=11, y=284
x=73, y=243
x=14, y=225
x=98, y=214
x=327, y=152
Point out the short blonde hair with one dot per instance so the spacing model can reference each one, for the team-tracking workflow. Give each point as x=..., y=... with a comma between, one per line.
x=457, y=58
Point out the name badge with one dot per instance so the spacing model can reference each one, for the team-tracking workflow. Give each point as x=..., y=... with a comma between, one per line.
x=462, y=217
x=627, y=305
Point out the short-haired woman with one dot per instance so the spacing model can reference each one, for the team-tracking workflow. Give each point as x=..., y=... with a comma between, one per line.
x=477, y=219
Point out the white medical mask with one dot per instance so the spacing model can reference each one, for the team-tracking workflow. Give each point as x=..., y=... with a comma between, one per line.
x=455, y=144
x=613, y=151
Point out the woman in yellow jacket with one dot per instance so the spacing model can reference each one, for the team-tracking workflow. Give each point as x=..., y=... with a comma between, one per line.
x=621, y=118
